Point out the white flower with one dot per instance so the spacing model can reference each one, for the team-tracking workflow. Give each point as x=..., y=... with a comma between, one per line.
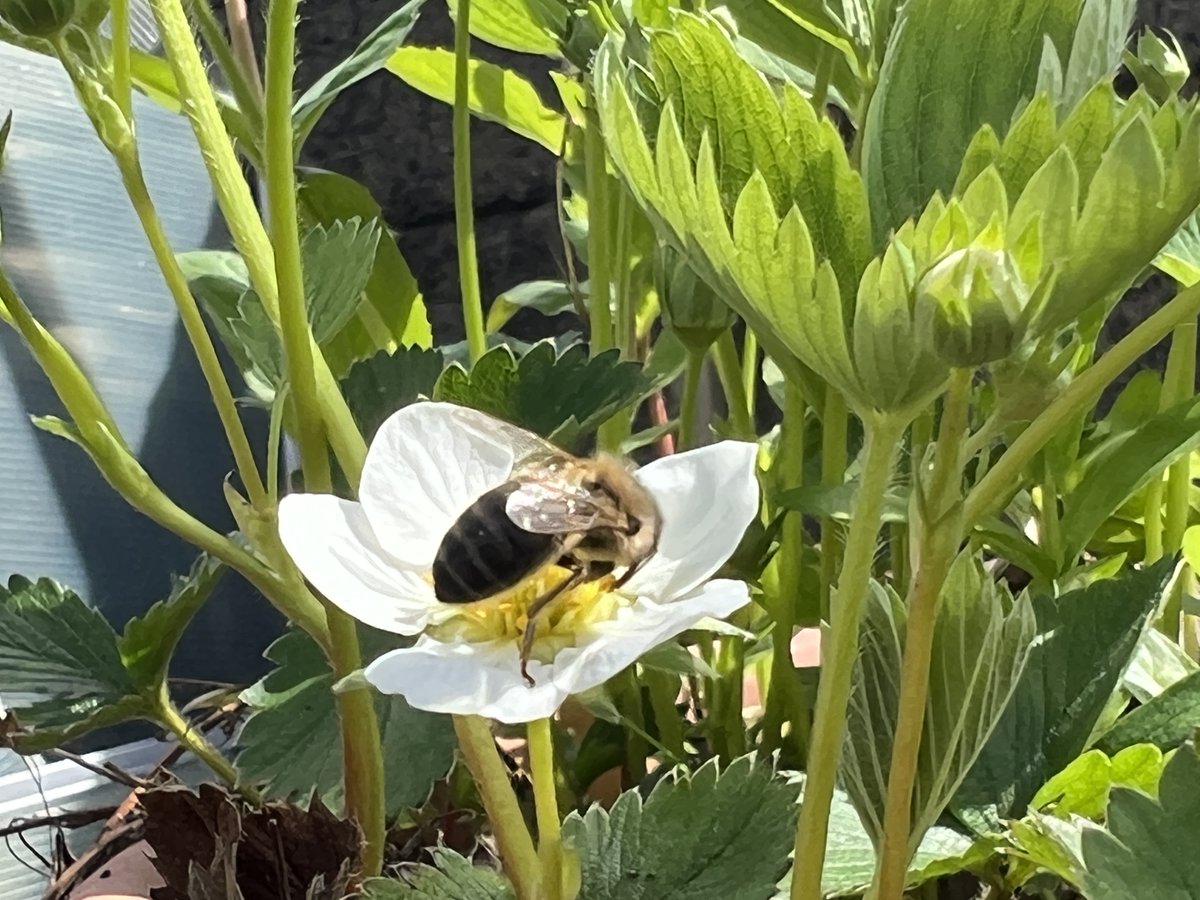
x=427, y=464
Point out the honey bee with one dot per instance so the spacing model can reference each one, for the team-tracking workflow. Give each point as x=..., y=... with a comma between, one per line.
x=588, y=515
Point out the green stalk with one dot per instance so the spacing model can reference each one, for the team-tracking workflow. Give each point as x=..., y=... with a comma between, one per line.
x=997, y=486
x=285, y=242
x=599, y=274
x=464, y=203
x=729, y=372
x=625, y=326
x=362, y=754
x=247, y=90
x=1051, y=525
x=167, y=714
x=788, y=567
x=835, y=421
x=545, y=799
x=688, y=407
x=882, y=437
x=1152, y=522
x=943, y=535
x=245, y=226
x=122, y=81
x=517, y=855
x=126, y=158
x=629, y=702
x=664, y=689
x=750, y=371
x=1181, y=375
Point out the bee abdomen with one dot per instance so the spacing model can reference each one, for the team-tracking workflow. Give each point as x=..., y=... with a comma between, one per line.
x=485, y=552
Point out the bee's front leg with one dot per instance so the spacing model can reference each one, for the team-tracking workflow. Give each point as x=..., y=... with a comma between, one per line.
x=578, y=576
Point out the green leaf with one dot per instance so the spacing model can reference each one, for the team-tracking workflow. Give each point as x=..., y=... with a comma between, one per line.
x=561, y=396
x=920, y=124
x=526, y=26
x=1100, y=37
x=60, y=667
x=367, y=58
x=394, y=314
x=837, y=501
x=1121, y=467
x=1085, y=640
x=377, y=387
x=337, y=265
x=550, y=298
x=1166, y=721
x=451, y=877
x=291, y=744
x=1180, y=258
x=980, y=646
x=149, y=641
x=705, y=836
x=1158, y=664
x=496, y=94
x=1139, y=855
x=1082, y=788
x=850, y=855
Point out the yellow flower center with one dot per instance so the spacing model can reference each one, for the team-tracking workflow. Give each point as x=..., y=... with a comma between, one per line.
x=505, y=615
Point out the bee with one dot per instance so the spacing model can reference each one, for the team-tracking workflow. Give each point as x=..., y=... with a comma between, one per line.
x=586, y=514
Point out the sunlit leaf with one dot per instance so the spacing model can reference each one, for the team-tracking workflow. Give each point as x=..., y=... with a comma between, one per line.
x=1083, y=787
x=1180, y=258
x=526, y=26
x=1166, y=721
x=1139, y=856
x=1085, y=640
x=367, y=58
x=550, y=298
x=496, y=94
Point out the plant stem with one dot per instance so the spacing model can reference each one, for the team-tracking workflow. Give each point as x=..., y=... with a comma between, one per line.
x=637, y=748
x=241, y=215
x=1181, y=375
x=625, y=324
x=943, y=534
x=168, y=715
x=750, y=371
x=285, y=242
x=362, y=754
x=241, y=74
x=479, y=751
x=664, y=690
x=999, y=483
x=545, y=799
x=122, y=82
x=600, y=321
x=787, y=473
x=464, y=203
x=242, y=43
x=1152, y=522
x=688, y=407
x=1051, y=525
x=882, y=437
x=835, y=422
x=729, y=372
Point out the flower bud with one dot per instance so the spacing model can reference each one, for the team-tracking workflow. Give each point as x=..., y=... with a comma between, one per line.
x=974, y=300
x=37, y=18
x=1159, y=67
x=690, y=308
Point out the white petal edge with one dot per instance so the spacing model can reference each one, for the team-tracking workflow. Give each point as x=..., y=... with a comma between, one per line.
x=484, y=679
x=333, y=545
x=428, y=463
x=707, y=498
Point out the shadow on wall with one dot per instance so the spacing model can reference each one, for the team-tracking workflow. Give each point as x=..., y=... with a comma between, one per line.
x=73, y=247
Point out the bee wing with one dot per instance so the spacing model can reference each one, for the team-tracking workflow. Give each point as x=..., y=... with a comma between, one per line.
x=527, y=446
x=553, y=508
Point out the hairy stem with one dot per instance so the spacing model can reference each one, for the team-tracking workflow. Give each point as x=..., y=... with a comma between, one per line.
x=882, y=438
x=464, y=203
x=835, y=421
x=729, y=373
x=943, y=534
x=689, y=435
x=242, y=75
x=517, y=855
x=168, y=715
x=122, y=81
x=361, y=751
x=545, y=799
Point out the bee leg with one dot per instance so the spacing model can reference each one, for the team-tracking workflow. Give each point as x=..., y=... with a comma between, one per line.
x=578, y=574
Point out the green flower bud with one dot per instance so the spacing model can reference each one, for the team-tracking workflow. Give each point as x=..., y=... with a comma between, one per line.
x=1159, y=67
x=690, y=308
x=974, y=301
x=37, y=18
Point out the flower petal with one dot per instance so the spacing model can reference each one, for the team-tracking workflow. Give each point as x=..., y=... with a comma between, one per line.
x=707, y=498
x=334, y=547
x=427, y=463
x=485, y=679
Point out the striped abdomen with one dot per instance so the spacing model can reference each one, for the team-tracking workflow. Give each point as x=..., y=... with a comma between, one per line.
x=485, y=552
